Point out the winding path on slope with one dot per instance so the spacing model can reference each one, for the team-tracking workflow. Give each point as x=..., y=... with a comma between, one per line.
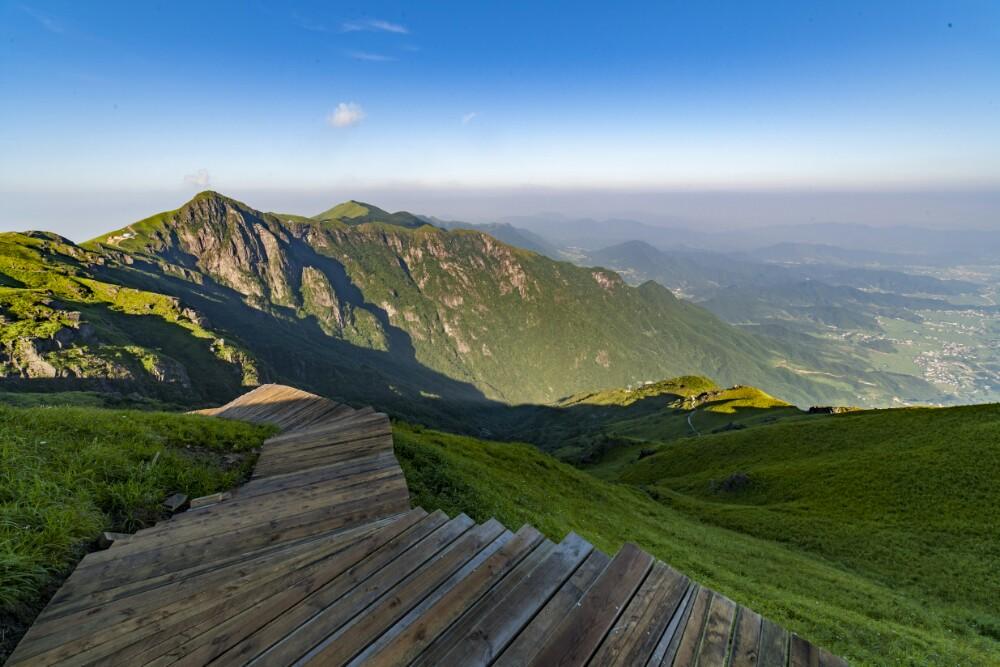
x=319, y=559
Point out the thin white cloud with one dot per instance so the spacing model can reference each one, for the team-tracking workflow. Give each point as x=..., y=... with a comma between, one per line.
x=346, y=114
x=199, y=179
x=44, y=20
x=370, y=57
x=374, y=25
x=469, y=117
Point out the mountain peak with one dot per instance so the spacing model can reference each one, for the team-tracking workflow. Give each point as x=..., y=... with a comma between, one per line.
x=355, y=212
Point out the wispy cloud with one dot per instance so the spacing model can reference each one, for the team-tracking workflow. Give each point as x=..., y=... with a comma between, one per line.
x=199, y=179
x=469, y=117
x=346, y=114
x=370, y=57
x=374, y=25
x=46, y=21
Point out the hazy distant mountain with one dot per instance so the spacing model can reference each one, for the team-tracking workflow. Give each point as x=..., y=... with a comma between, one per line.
x=591, y=234
x=814, y=242
x=815, y=253
x=697, y=274
x=509, y=234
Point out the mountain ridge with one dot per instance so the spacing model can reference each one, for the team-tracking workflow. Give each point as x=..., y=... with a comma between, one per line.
x=457, y=314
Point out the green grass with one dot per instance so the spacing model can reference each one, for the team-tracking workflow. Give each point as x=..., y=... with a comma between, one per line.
x=68, y=473
x=81, y=399
x=908, y=497
x=859, y=615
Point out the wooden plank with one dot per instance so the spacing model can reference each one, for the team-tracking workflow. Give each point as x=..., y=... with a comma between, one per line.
x=353, y=637
x=641, y=626
x=176, y=502
x=491, y=634
x=691, y=634
x=666, y=647
x=773, y=645
x=66, y=607
x=336, y=436
x=267, y=510
x=349, y=604
x=746, y=639
x=326, y=432
x=285, y=624
x=802, y=653
x=392, y=499
x=433, y=654
x=254, y=498
x=579, y=635
x=289, y=463
x=221, y=634
x=213, y=625
x=109, y=539
x=122, y=624
x=827, y=659
x=533, y=636
x=718, y=631
x=404, y=643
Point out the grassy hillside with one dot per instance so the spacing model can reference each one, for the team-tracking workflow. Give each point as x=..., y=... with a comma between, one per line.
x=607, y=429
x=907, y=497
x=68, y=473
x=62, y=328
x=857, y=613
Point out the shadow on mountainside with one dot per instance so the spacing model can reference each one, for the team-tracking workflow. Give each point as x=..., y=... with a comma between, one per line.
x=294, y=350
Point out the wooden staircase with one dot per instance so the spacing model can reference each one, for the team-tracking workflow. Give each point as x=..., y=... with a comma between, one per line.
x=319, y=559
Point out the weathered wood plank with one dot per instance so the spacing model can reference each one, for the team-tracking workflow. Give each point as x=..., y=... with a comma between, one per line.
x=354, y=636
x=691, y=634
x=773, y=645
x=489, y=636
x=746, y=640
x=634, y=637
x=532, y=637
x=432, y=655
x=200, y=643
x=415, y=632
x=335, y=614
x=579, y=635
x=666, y=647
x=281, y=626
x=718, y=631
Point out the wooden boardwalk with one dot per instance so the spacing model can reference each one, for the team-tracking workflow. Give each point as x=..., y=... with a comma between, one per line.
x=319, y=559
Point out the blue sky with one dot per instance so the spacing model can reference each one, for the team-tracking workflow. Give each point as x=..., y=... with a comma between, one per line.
x=121, y=99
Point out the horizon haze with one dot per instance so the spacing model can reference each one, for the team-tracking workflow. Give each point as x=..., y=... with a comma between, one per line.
x=718, y=117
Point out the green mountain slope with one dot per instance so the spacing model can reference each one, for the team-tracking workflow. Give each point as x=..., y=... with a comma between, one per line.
x=63, y=328
x=906, y=497
x=356, y=213
x=517, y=326
x=607, y=429
x=872, y=618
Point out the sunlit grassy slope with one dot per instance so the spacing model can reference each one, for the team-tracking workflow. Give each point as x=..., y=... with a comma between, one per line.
x=909, y=496
x=854, y=610
x=68, y=473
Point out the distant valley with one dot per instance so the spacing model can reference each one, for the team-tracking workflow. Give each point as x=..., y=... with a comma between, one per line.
x=929, y=311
